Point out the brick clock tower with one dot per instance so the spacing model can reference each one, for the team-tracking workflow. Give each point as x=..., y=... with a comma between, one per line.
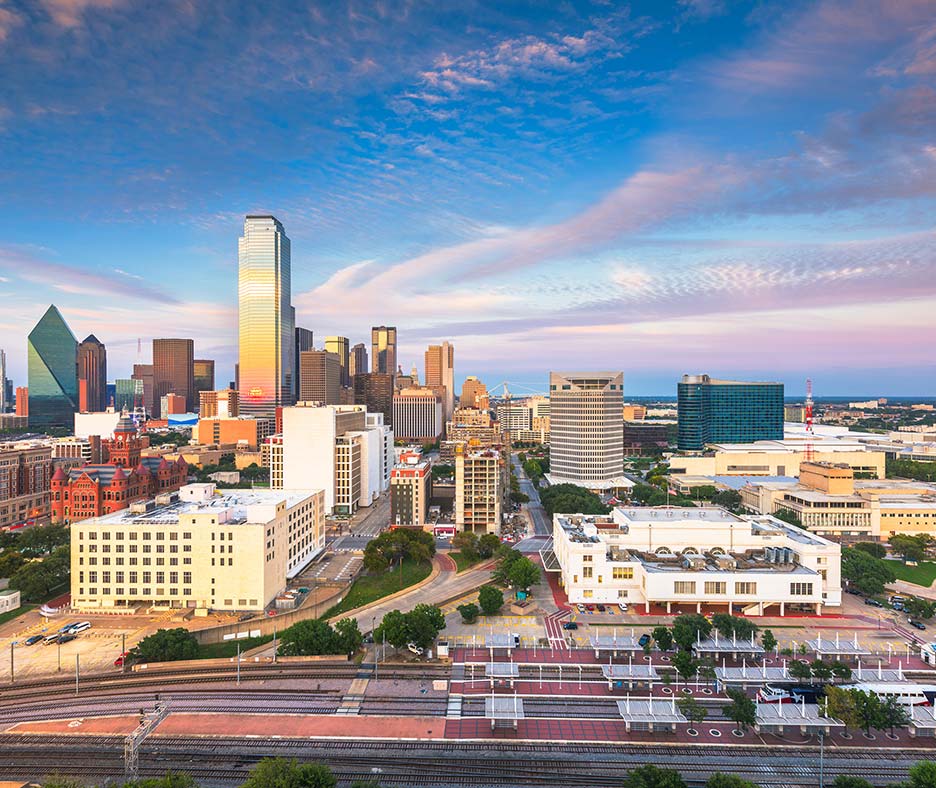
x=124, y=449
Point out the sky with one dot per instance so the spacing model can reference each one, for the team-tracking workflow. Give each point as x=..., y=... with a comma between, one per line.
x=740, y=188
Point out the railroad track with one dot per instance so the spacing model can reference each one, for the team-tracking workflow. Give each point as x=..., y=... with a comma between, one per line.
x=223, y=763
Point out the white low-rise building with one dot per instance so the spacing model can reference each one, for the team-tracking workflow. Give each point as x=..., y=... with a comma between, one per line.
x=197, y=548
x=669, y=556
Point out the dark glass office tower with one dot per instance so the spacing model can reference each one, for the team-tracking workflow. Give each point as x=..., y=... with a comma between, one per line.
x=727, y=411
x=53, y=372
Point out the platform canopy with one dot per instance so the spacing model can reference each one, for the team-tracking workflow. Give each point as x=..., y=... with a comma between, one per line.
x=639, y=671
x=501, y=670
x=503, y=707
x=548, y=557
x=755, y=674
x=499, y=640
x=837, y=647
x=880, y=673
x=616, y=642
x=719, y=644
x=800, y=715
x=658, y=711
x=922, y=718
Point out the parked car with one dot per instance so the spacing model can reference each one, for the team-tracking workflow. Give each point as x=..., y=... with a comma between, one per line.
x=118, y=663
x=590, y=608
x=600, y=608
x=31, y=641
x=873, y=602
x=75, y=629
x=580, y=607
x=417, y=650
x=67, y=637
x=516, y=639
x=916, y=624
x=623, y=606
x=570, y=625
x=644, y=639
x=245, y=617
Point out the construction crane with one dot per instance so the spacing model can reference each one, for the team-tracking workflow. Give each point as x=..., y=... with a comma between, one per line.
x=808, y=418
x=507, y=395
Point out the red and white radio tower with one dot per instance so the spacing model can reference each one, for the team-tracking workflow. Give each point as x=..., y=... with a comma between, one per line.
x=809, y=422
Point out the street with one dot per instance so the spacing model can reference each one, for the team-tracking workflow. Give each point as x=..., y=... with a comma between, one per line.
x=541, y=524
x=365, y=525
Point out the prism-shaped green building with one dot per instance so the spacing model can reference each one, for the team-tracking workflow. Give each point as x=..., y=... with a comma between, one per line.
x=53, y=372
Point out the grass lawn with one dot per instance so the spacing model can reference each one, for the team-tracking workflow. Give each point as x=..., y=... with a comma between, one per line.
x=369, y=588
x=11, y=614
x=229, y=647
x=922, y=575
x=462, y=563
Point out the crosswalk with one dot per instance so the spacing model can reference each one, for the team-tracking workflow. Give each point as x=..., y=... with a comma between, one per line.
x=554, y=630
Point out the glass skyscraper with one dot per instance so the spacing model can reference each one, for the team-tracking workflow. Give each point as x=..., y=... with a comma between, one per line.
x=266, y=318
x=727, y=411
x=383, y=349
x=53, y=372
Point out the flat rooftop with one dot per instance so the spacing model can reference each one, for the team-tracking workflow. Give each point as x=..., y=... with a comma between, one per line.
x=708, y=514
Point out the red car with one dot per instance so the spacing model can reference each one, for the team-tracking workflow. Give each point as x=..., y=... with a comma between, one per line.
x=118, y=663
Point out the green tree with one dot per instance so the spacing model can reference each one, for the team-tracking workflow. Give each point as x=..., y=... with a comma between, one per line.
x=686, y=665
x=420, y=626
x=37, y=581
x=742, y=710
x=841, y=705
x=719, y=780
x=848, y=781
x=488, y=544
x=443, y=471
x=308, y=638
x=523, y=574
x=469, y=612
x=58, y=780
x=874, y=549
x=349, y=635
x=166, y=645
x=789, y=516
x=392, y=629
x=737, y=626
x=910, y=548
x=490, y=599
x=800, y=670
x=692, y=710
x=519, y=497
x=688, y=627
x=663, y=638
x=42, y=539
x=571, y=499
x=171, y=780
x=892, y=714
x=768, y=641
x=10, y=561
x=840, y=670
x=821, y=670
x=868, y=575
x=922, y=775
x=651, y=776
x=915, y=607
x=728, y=499
x=466, y=543
x=283, y=773
x=374, y=559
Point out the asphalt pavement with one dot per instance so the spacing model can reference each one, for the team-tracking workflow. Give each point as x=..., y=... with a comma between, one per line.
x=541, y=524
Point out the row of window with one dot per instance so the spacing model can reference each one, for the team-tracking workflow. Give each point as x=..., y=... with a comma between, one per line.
x=92, y=561
x=147, y=577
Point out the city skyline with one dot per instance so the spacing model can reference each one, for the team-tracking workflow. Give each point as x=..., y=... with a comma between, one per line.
x=744, y=190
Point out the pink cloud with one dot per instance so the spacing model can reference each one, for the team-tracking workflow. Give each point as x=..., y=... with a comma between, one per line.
x=69, y=13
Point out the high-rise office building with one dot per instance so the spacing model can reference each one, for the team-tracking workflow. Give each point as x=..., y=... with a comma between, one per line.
x=304, y=341
x=25, y=474
x=203, y=375
x=384, y=349
x=143, y=373
x=417, y=415
x=218, y=404
x=22, y=401
x=440, y=371
x=474, y=394
x=375, y=390
x=92, y=375
x=174, y=371
x=341, y=348
x=587, y=440
x=127, y=392
x=4, y=397
x=727, y=411
x=53, y=372
x=267, y=319
x=357, y=362
x=482, y=484
x=319, y=377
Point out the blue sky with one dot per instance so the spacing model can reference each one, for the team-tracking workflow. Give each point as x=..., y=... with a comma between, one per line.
x=740, y=188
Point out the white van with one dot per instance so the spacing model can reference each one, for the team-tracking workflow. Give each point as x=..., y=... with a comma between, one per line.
x=51, y=638
x=81, y=627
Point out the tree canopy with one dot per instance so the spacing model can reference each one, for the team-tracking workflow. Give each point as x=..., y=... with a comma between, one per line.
x=287, y=773
x=166, y=645
x=420, y=626
x=651, y=776
x=867, y=574
x=571, y=499
x=397, y=544
x=316, y=636
x=490, y=599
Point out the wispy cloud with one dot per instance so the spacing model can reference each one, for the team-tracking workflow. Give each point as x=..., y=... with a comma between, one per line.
x=70, y=13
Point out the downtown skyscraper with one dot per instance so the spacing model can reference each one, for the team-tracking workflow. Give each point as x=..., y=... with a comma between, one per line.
x=53, y=372
x=266, y=318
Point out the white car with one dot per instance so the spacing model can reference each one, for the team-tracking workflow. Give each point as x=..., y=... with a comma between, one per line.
x=417, y=650
x=623, y=606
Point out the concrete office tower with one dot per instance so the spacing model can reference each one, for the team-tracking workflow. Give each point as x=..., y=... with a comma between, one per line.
x=266, y=318
x=25, y=476
x=304, y=341
x=174, y=371
x=53, y=372
x=341, y=348
x=92, y=375
x=474, y=394
x=384, y=350
x=4, y=399
x=221, y=404
x=341, y=449
x=357, y=361
x=203, y=374
x=482, y=483
x=319, y=377
x=375, y=391
x=440, y=371
x=727, y=411
x=514, y=416
x=417, y=415
x=586, y=438
x=143, y=373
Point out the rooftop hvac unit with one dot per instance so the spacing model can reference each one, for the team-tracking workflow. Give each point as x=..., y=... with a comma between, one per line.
x=770, y=555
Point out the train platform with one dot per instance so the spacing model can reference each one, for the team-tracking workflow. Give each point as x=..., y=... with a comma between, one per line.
x=121, y=725
x=303, y=726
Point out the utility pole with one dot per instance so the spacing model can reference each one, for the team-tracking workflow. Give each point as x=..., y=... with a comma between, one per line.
x=373, y=633
x=77, y=672
x=238, y=664
x=11, y=662
x=123, y=653
x=274, y=641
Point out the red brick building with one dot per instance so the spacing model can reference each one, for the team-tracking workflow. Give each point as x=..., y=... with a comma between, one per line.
x=95, y=490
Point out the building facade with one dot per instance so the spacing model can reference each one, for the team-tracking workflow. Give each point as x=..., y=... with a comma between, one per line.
x=410, y=490
x=92, y=375
x=242, y=431
x=417, y=415
x=514, y=416
x=304, y=341
x=586, y=437
x=384, y=349
x=52, y=356
x=22, y=401
x=25, y=477
x=482, y=485
x=357, y=361
x=266, y=318
x=342, y=349
x=196, y=548
x=174, y=372
x=676, y=559
x=727, y=411
x=320, y=376
x=144, y=374
x=474, y=394
x=203, y=376
x=223, y=404
x=440, y=373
